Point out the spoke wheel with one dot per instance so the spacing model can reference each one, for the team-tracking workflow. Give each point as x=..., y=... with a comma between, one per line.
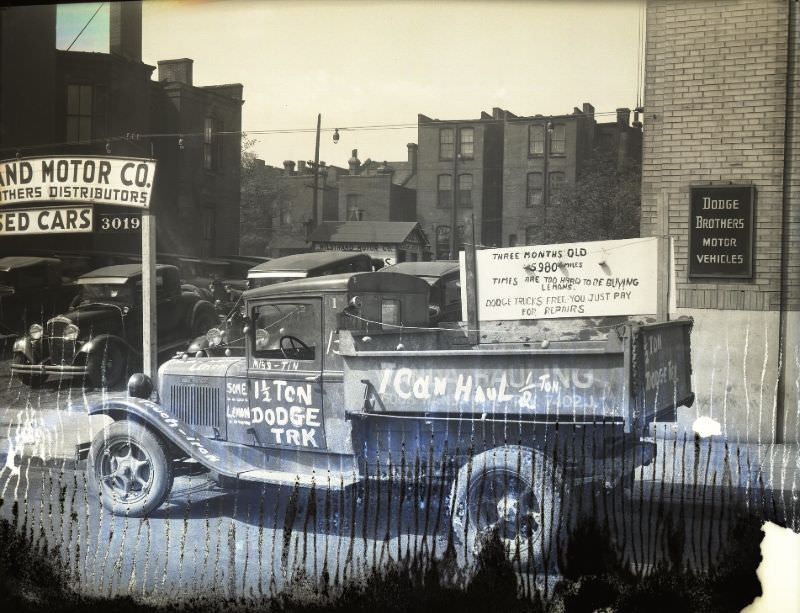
x=106, y=368
x=129, y=469
x=513, y=494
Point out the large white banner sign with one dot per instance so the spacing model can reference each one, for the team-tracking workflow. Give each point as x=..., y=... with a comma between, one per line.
x=103, y=180
x=591, y=279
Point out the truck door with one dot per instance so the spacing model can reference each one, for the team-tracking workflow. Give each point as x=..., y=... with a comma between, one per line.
x=285, y=357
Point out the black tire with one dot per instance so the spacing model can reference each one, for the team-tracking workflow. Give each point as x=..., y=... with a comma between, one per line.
x=129, y=469
x=515, y=493
x=203, y=322
x=106, y=368
x=29, y=380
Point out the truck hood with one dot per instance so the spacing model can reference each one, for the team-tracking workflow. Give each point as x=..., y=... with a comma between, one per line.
x=199, y=367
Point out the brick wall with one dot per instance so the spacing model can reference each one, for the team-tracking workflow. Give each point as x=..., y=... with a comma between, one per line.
x=715, y=93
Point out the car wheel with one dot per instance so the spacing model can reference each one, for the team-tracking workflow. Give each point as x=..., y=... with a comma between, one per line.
x=106, y=367
x=129, y=469
x=29, y=380
x=512, y=494
x=204, y=322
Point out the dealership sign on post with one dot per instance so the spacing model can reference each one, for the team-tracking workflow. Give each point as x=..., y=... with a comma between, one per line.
x=79, y=179
x=591, y=279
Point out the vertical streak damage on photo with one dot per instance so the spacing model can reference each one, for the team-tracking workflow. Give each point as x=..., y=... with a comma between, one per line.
x=496, y=352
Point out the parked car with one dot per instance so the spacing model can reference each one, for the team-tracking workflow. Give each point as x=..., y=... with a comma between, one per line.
x=444, y=277
x=228, y=339
x=99, y=337
x=32, y=289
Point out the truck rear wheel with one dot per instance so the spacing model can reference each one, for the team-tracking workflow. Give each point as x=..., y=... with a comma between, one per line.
x=513, y=494
x=129, y=469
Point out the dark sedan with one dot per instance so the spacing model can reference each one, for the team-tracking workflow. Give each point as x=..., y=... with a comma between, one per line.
x=100, y=336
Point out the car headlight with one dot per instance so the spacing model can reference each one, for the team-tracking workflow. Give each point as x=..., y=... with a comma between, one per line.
x=35, y=332
x=214, y=337
x=71, y=333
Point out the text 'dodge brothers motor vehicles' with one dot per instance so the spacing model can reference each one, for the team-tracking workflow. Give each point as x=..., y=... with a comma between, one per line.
x=100, y=336
x=341, y=372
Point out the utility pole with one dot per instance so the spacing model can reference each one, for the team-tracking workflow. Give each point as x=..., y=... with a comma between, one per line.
x=454, y=207
x=315, y=212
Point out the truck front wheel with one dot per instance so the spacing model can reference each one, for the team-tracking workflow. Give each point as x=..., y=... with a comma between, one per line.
x=129, y=469
x=512, y=494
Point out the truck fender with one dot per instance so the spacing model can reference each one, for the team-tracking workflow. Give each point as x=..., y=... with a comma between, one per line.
x=24, y=345
x=207, y=452
x=201, y=308
x=98, y=342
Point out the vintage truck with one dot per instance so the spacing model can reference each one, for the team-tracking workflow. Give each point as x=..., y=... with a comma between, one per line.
x=342, y=379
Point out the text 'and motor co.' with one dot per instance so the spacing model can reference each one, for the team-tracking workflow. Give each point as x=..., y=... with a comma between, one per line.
x=100, y=180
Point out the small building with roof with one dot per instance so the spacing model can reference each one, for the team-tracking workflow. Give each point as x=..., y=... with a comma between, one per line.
x=390, y=241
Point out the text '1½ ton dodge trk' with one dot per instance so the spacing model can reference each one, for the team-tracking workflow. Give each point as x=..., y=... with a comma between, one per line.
x=343, y=373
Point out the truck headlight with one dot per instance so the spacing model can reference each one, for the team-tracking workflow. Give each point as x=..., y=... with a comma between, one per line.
x=71, y=333
x=214, y=337
x=35, y=332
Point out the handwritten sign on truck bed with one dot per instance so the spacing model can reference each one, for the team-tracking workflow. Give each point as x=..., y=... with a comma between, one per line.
x=591, y=279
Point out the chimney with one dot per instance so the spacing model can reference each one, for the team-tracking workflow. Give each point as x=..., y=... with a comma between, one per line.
x=354, y=163
x=588, y=110
x=623, y=117
x=125, y=29
x=413, y=150
x=178, y=71
x=301, y=167
x=288, y=167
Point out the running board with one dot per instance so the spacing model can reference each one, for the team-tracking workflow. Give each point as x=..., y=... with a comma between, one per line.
x=328, y=480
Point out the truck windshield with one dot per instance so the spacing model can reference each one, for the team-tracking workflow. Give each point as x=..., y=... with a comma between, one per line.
x=286, y=330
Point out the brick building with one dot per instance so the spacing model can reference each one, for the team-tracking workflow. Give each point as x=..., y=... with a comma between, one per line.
x=510, y=170
x=379, y=191
x=721, y=109
x=278, y=204
x=89, y=102
x=460, y=160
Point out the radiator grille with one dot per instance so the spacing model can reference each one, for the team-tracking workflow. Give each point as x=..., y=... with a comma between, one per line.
x=197, y=405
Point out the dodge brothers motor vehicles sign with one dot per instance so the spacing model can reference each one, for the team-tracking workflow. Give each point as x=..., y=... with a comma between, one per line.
x=102, y=180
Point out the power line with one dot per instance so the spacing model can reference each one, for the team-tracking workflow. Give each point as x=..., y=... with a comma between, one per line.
x=85, y=26
x=277, y=131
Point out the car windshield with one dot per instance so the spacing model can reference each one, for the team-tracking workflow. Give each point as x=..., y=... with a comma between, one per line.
x=106, y=292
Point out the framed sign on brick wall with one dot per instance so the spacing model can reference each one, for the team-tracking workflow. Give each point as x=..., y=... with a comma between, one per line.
x=722, y=231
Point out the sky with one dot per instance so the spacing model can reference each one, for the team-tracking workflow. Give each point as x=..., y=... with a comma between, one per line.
x=381, y=63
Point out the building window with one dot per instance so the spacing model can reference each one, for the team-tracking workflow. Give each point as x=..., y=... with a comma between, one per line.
x=442, y=242
x=79, y=113
x=535, y=188
x=211, y=144
x=466, y=143
x=353, y=212
x=512, y=240
x=536, y=139
x=446, y=143
x=558, y=139
x=444, y=198
x=530, y=235
x=465, y=191
x=555, y=187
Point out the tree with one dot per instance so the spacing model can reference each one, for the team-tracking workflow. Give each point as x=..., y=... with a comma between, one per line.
x=262, y=198
x=604, y=203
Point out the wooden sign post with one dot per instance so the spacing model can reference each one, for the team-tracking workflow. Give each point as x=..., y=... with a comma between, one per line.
x=149, y=323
